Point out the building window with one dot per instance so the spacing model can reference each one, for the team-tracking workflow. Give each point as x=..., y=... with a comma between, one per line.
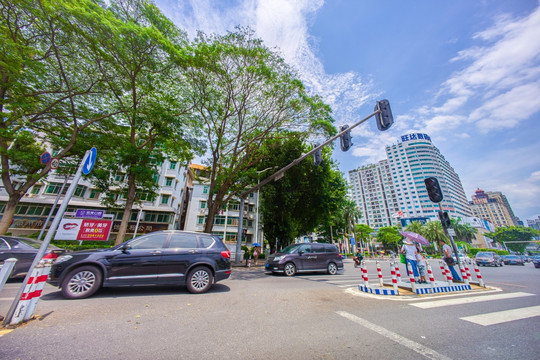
x=80, y=190
x=168, y=181
x=173, y=165
x=165, y=199
x=94, y=194
x=35, y=189
x=205, y=190
x=202, y=204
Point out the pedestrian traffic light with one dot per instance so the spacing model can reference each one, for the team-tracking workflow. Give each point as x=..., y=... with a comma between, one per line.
x=445, y=219
x=384, y=118
x=345, y=139
x=317, y=157
x=433, y=189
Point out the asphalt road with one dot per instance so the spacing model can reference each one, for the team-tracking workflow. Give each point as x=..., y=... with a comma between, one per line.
x=258, y=316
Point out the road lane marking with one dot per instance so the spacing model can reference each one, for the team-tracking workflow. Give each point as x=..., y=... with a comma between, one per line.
x=5, y=331
x=500, y=317
x=419, y=348
x=467, y=300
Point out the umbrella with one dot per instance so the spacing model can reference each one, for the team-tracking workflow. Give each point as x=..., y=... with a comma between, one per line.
x=255, y=244
x=415, y=237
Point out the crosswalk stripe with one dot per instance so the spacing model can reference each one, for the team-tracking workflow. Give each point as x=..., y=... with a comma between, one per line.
x=503, y=316
x=468, y=300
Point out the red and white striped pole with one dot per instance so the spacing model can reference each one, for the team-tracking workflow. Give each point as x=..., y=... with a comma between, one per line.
x=39, y=284
x=412, y=279
x=430, y=274
x=379, y=273
x=448, y=274
x=394, y=279
x=461, y=267
x=468, y=272
x=364, y=274
x=25, y=298
x=478, y=275
x=396, y=266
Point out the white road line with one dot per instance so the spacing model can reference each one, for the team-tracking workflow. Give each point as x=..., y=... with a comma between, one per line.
x=503, y=316
x=419, y=348
x=467, y=300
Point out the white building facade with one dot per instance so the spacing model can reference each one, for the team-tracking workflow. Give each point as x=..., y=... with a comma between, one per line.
x=393, y=190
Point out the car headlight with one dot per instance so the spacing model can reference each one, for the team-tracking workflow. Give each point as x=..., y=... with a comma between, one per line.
x=278, y=258
x=63, y=258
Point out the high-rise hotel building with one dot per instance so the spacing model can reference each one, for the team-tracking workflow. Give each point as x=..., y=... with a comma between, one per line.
x=408, y=163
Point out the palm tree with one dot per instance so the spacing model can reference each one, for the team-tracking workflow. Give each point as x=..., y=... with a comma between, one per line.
x=433, y=232
x=415, y=227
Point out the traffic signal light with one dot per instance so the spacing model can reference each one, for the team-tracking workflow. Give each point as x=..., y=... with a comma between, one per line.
x=445, y=219
x=345, y=139
x=317, y=157
x=384, y=119
x=433, y=189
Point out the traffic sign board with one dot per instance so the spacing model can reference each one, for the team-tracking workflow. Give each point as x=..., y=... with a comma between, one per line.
x=45, y=158
x=55, y=162
x=90, y=161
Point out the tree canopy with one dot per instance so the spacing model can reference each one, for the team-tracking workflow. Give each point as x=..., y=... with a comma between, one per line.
x=514, y=237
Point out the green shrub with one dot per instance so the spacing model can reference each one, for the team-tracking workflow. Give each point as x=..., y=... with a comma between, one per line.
x=474, y=251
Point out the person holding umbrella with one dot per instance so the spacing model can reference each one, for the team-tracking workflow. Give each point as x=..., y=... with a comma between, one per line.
x=256, y=252
x=409, y=250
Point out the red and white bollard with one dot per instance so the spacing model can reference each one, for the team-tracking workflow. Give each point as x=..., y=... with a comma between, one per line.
x=478, y=275
x=447, y=274
x=39, y=283
x=364, y=274
x=412, y=280
x=394, y=279
x=26, y=296
x=379, y=273
x=464, y=277
x=396, y=266
x=430, y=274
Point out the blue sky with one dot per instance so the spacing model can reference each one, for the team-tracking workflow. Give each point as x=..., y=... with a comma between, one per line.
x=465, y=72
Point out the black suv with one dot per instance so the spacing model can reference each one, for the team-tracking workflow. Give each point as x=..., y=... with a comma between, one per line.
x=305, y=257
x=171, y=257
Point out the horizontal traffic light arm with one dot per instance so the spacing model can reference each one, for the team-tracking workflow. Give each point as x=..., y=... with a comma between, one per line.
x=278, y=174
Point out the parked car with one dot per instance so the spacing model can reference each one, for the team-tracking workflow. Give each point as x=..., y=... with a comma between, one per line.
x=536, y=261
x=171, y=257
x=24, y=250
x=306, y=257
x=488, y=258
x=513, y=260
x=464, y=258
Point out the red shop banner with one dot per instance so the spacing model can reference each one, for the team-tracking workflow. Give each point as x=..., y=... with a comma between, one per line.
x=94, y=229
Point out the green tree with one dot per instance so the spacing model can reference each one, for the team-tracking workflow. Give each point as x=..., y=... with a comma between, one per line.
x=49, y=90
x=142, y=68
x=514, y=237
x=433, y=232
x=416, y=227
x=305, y=199
x=390, y=237
x=464, y=232
x=363, y=232
x=243, y=94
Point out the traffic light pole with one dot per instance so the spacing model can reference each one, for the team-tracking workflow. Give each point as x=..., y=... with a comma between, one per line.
x=278, y=175
x=454, y=247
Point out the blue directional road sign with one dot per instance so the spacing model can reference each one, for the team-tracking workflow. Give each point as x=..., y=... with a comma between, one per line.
x=90, y=161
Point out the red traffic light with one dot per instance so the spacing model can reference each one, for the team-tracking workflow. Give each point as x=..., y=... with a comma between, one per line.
x=433, y=189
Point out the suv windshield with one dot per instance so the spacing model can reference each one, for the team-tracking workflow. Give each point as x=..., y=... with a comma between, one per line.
x=290, y=249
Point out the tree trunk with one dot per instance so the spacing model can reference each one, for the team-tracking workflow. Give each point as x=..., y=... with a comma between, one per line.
x=127, y=210
x=9, y=211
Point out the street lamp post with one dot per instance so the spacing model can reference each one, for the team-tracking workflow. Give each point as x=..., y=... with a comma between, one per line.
x=257, y=204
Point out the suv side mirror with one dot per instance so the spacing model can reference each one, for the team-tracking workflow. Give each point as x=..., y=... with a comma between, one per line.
x=125, y=248
x=301, y=252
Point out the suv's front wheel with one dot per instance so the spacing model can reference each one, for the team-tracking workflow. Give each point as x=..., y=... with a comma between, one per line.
x=199, y=280
x=81, y=283
x=289, y=269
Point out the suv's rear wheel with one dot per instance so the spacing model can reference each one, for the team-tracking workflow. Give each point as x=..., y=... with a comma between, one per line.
x=82, y=282
x=289, y=269
x=199, y=280
x=332, y=269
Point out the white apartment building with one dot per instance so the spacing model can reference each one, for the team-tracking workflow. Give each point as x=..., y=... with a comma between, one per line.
x=226, y=222
x=161, y=212
x=393, y=190
x=373, y=191
x=412, y=160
